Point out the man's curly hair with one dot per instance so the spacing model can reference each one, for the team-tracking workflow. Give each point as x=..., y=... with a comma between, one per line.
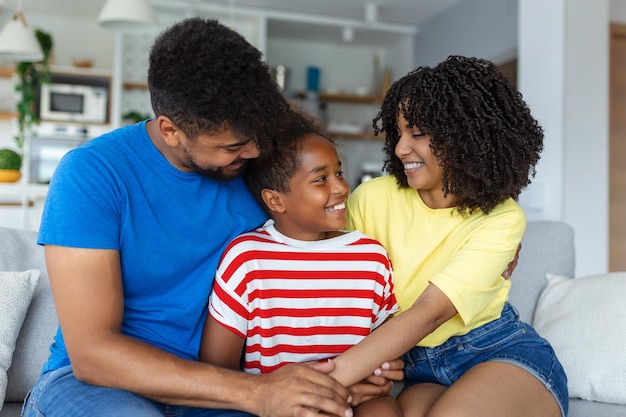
x=207, y=78
x=481, y=130
x=274, y=170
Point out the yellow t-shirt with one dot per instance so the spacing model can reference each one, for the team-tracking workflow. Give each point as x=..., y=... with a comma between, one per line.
x=463, y=257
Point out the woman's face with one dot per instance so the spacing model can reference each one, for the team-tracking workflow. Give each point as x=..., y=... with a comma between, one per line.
x=422, y=169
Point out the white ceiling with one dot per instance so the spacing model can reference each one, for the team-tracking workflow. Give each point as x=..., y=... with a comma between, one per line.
x=415, y=12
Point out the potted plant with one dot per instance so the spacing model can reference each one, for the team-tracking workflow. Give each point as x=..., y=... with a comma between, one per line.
x=29, y=76
x=10, y=164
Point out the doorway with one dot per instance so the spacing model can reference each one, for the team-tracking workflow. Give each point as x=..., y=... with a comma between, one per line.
x=617, y=148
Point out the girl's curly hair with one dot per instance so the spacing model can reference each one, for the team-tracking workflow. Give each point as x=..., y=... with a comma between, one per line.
x=207, y=78
x=275, y=169
x=481, y=130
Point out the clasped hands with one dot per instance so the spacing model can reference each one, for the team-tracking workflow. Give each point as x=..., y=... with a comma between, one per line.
x=378, y=384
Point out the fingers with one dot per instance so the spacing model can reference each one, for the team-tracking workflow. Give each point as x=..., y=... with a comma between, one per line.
x=392, y=370
x=323, y=367
x=362, y=391
x=393, y=365
x=513, y=264
x=302, y=391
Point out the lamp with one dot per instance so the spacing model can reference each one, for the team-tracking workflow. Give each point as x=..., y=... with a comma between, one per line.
x=17, y=42
x=127, y=14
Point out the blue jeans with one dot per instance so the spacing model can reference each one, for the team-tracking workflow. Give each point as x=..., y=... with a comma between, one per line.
x=505, y=339
x=59, y=394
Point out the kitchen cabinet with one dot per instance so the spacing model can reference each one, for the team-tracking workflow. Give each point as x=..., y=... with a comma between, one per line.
x=21, y=204
x=350, y=71
x=349, y=116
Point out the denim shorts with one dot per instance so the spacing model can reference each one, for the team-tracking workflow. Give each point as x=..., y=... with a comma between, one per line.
x=59, y=394
x=505, y=339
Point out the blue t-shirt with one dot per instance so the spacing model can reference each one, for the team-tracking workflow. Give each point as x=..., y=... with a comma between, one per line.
x=119, y=192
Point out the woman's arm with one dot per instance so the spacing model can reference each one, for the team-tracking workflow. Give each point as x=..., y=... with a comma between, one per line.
x=395, y=337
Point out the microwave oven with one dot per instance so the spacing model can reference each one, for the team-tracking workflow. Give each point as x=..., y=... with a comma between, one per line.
x=73, y=103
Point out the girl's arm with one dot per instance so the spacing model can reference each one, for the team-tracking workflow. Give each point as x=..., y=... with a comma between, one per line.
x=395, y=337
x=220, y=346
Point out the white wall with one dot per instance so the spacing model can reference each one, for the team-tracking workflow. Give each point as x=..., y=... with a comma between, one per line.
x=617, y=11
x=481, y=28
x=563, y=74
x=335, y=73
x=76, y=39
x=541, y=71
x=586, y=141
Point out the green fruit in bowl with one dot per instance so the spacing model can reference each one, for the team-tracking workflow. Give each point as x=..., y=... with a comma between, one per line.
x=9, y=159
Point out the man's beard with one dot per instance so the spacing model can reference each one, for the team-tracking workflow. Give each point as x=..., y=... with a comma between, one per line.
x=217, y=175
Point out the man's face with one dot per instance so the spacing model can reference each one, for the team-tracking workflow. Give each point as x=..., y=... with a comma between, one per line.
x=221, y=156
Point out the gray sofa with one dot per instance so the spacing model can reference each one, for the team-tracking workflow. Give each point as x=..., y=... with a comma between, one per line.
x=547, y=247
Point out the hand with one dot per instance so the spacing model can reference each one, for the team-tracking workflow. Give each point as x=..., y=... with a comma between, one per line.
x=513, y=264
x=379, y=384
x=301, y=390
x=392, y=370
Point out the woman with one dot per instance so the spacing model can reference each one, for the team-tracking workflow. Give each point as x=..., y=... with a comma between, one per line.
x=461, y=144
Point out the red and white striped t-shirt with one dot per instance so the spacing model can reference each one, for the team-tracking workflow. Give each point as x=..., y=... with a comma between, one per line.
x=301, y=301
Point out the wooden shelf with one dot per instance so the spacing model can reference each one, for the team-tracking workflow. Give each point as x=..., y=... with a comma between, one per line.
x=6, y=72
x=346, y=98
x=350, y=98
x=7, y=115
x=134, y=85
x=368, y=136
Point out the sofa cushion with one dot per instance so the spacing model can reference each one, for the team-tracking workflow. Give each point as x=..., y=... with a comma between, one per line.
x=19, y=252
x=584, y=320
x=16, y=291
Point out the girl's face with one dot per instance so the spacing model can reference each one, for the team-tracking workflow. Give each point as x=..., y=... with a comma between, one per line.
x=422, y=169
x=316, y=202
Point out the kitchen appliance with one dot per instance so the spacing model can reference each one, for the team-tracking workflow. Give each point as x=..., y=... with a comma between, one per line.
x=79, y=98
x=51, y=142
x=74, y=103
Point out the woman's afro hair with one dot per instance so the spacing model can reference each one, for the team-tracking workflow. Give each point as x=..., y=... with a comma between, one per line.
x=481, y=130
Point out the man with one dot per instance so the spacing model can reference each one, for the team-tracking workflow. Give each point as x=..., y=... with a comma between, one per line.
x=133, y=227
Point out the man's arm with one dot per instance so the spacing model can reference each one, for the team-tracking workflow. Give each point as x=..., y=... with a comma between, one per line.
x=88, y=294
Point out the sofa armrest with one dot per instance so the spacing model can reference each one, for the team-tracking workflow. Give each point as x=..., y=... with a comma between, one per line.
x=547, y=246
